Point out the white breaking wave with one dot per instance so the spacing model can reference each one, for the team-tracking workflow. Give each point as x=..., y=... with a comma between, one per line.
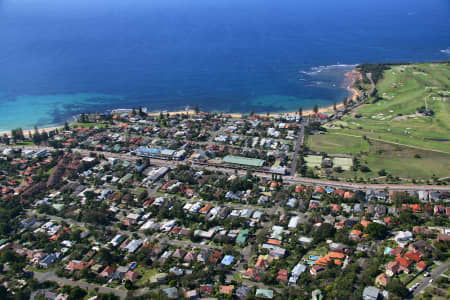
x=321, y=69
x=446, y=51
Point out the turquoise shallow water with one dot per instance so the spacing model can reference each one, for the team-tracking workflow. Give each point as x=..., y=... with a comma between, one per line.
x=48, y=110
x=60, y=58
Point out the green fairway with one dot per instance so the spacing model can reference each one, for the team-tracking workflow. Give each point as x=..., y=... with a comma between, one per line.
x=404, y=129
x=402, y=91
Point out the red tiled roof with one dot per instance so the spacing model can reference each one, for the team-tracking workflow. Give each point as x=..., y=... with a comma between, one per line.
x=403, y=261
x=365, y=223
x=282, y=275
x=421, y=265
x=348, y=195
x=226, y=289
x=274, y=242
x=319, y=190
x=413, y=256
x=299, y=189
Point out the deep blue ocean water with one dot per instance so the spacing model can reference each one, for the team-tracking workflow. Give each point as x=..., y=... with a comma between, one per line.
x=60, y=58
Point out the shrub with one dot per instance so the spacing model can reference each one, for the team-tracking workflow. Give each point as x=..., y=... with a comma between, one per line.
x=365, y=169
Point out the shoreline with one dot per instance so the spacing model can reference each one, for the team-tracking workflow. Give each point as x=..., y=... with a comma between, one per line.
x=349, y=81
x=350, y=78
x=26, y=132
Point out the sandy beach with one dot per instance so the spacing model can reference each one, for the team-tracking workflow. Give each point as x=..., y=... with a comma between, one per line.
x=350, y=79
x=26, y=132
x=239, y=115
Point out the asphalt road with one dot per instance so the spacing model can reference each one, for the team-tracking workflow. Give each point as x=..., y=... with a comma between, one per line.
x=51, y=276
x=300, y=140
x=425, y=282
x=287, y=179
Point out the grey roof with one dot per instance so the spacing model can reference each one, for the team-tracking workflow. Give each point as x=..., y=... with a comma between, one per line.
x=263, y=293
x=49, y=259
x=243, y=161
x=298, y=269
x=171, y=292
x=370, y=293
x=133, y=245
x=243, y=291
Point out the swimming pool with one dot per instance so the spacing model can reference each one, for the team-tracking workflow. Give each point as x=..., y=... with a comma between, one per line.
x=313, y=257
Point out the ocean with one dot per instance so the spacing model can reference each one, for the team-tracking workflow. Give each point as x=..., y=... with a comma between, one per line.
x=60, y=58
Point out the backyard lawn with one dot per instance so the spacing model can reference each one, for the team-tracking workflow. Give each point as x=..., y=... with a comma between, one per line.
x=146, y=274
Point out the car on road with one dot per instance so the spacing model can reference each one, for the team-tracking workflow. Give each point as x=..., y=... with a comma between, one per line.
x=431, y=280
x=414, y=286
x=426, y=274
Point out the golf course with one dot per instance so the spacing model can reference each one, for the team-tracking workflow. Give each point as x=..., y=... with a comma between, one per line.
x=400, y=130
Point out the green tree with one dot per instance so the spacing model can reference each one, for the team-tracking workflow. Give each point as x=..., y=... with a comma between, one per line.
x=3, y=293
x=395, y=286
x=376, y=230
x=36, y=136
x=5, y=139
x=325, y=231
x=316, y=108
x=129, y=285
x=77, y=293
x=105, y=256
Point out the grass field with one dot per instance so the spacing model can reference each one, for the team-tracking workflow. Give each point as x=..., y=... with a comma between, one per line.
x=27, y=143
x=319, y=251
x=88, y=125
x=343, y=162
x=313, y=161
x=145, y=274
x=337, y=144
x=397, y=138
x=393, y=118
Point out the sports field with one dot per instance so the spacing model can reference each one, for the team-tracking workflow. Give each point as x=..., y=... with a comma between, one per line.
x=343, y=162
x=313, y=161
x=405, y=129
